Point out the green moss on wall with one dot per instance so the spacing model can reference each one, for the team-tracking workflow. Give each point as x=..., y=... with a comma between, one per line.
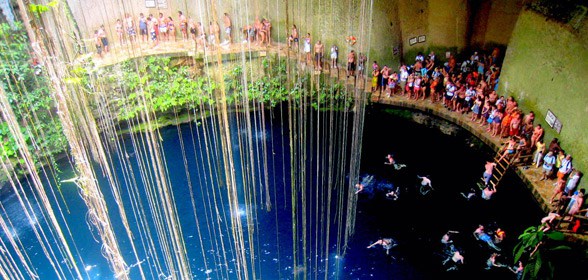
x=545, y=68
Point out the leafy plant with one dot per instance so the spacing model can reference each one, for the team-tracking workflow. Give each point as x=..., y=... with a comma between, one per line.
x=537, y=249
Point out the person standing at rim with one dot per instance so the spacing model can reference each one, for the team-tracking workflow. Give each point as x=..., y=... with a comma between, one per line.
x=293, y=39
x=183, y=25
x=307, y=47
x=334, y=56
x=319, y=51
x=228, y=28
x=548, y=163
x=351, y=64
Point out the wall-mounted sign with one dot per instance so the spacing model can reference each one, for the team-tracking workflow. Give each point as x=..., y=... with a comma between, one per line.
x=557, y=125
x=162, y=4
x=553, y=121
x=412, y=41
x=550, y=118
x=422, y=38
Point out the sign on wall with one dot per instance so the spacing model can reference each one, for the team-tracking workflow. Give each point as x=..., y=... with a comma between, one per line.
x=160, y=4
x=419, y=39
x=553, y=121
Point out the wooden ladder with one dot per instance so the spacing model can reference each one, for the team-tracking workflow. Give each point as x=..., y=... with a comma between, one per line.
x=500, y=169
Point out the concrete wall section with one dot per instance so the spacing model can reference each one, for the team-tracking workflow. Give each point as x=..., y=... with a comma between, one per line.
x=448, y=23
x=413, y=18
x=501, y=21
x=546, y=69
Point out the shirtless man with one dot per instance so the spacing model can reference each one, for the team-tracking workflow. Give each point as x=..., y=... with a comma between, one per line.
x=293, y=39
x=319, y=51
x=351, y=64
x=228, y=27
x=537, y=135
x=488, y=168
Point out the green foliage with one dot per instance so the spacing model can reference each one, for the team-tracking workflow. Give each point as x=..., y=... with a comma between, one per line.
x=29, y=95
x=536, y=249
x=153, y=85
x=39, y=9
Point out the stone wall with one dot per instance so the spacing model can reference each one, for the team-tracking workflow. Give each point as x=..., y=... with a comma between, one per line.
x=545, y=69
x=493, y=22
x=456, y=25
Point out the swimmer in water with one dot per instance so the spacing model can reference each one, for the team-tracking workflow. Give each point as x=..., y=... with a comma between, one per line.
x=393, y=194
x=426, y=186
x=391, y=161
x=446, y=239
x=480, y=234
x=456, y=258
x=387, y=243
x=359, y=187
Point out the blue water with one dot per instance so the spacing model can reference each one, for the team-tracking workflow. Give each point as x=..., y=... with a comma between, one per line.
x=415, y=221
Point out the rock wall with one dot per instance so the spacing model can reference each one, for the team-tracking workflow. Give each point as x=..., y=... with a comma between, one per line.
x=546, y=69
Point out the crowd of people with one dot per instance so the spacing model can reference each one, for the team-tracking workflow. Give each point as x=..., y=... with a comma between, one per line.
x=470, y=87
x=153, y=29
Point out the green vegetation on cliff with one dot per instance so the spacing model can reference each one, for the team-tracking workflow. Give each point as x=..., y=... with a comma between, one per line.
x=27, y=90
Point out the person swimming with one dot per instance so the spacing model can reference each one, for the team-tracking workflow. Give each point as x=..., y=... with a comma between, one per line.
x=391, y=161
x=426, y=186
x=387, y=243
x=481, y=235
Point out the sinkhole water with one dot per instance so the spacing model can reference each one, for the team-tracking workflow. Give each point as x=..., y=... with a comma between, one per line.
x=417, y=222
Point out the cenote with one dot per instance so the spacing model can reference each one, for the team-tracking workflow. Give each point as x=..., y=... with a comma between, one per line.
x=286, y=234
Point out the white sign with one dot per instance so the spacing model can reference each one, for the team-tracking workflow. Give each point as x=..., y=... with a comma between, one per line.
x=162, y=4
x=550, y=118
